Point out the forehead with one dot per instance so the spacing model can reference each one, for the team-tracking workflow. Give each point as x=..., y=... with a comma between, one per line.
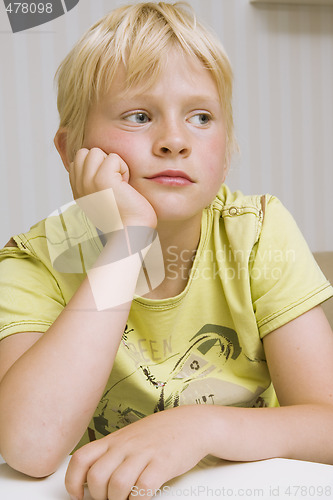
x=178, y=71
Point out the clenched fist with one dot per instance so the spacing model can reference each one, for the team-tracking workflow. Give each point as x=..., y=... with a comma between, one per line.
x=106, y=176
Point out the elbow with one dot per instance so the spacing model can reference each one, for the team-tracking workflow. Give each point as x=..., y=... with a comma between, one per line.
x=30, y=460
x=36, y=470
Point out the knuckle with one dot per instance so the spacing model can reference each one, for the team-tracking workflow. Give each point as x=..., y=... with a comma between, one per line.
x=96, y=476
x=115, y=158
x=80, y=155
x=79, y=458
x=97, y=152
x=150, y=480
x=146, y=484
x=118, y=481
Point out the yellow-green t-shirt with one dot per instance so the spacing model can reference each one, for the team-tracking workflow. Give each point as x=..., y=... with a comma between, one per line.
x=252, y=273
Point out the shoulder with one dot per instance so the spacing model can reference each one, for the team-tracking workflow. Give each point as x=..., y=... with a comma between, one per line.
x=231, y=203
x=226, y=198
x=242, y=216
x=237, y=209
x=59, y=240
x=234, y=204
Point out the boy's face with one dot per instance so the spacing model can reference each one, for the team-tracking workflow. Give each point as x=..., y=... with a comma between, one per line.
x=172, y=136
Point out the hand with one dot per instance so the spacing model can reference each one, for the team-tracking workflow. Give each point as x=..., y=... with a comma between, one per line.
x=93, y=172
x=144, y=454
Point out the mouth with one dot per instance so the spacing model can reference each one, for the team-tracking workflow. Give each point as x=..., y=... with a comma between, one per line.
x=172, y=178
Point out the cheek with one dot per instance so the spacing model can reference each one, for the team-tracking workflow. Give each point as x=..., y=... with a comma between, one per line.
x=218, y=145
x=214, y=156
x=128, y=147
x=108, y=140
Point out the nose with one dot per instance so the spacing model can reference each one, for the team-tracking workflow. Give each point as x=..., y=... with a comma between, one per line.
x=172, y=141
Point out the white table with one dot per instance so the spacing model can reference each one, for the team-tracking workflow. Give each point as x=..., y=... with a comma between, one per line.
x=268, y=479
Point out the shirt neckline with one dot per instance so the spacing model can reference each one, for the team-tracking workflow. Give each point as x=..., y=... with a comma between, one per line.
x=206, y=221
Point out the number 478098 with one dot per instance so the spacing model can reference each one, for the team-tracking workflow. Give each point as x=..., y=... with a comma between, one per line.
x=29, y=8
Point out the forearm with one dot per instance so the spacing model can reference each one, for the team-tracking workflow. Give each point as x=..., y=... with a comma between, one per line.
x=301, y=432
x=189, y=433
x=48, y=396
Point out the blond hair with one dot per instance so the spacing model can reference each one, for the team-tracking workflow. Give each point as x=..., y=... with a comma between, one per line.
x=138, y=36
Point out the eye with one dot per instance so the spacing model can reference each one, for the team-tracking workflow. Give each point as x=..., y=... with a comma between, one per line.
x=200, y=119
x=138, y=117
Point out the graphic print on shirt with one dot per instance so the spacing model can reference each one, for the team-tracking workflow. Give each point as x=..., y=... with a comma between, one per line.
x=202, y=374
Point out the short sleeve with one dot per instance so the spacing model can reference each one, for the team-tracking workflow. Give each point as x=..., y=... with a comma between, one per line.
x=286, y=281
x=30, y=298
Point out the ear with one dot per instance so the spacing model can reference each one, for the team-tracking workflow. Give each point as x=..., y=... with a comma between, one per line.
x=60, y=142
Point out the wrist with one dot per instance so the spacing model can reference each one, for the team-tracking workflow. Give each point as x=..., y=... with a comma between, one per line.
x=129, y=240
x=135, y=221
x=199, y=423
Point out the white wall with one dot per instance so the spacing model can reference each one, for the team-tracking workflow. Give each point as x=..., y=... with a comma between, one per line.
x=283, y=63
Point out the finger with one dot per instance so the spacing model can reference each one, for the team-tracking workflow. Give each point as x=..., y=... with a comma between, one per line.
x=113, y=169
x=71, y=177
x=75, y=171
x=149, y=482
x=123, y=169
x=79, y=465
x=123, y=479
x=98, y=476
x=91, y=165
x=117, y=162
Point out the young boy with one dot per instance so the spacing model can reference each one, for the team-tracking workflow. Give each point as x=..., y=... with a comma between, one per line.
x=146, y=135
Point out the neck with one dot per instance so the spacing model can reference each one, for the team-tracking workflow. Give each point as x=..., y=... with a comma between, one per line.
x=179, y=239
x=179, y=242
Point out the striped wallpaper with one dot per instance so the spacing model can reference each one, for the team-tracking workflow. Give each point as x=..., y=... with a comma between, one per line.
x=283, y=101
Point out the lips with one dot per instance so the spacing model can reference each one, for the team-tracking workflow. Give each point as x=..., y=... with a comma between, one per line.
x=171, y=175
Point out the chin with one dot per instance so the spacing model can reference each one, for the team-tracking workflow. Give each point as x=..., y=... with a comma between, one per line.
x=176, y=207
x=175, y=215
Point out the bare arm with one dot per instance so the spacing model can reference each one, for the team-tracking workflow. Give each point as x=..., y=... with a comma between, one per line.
x=50, y=391
x=11, y=348
x=48, y=396
x=299, y=356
